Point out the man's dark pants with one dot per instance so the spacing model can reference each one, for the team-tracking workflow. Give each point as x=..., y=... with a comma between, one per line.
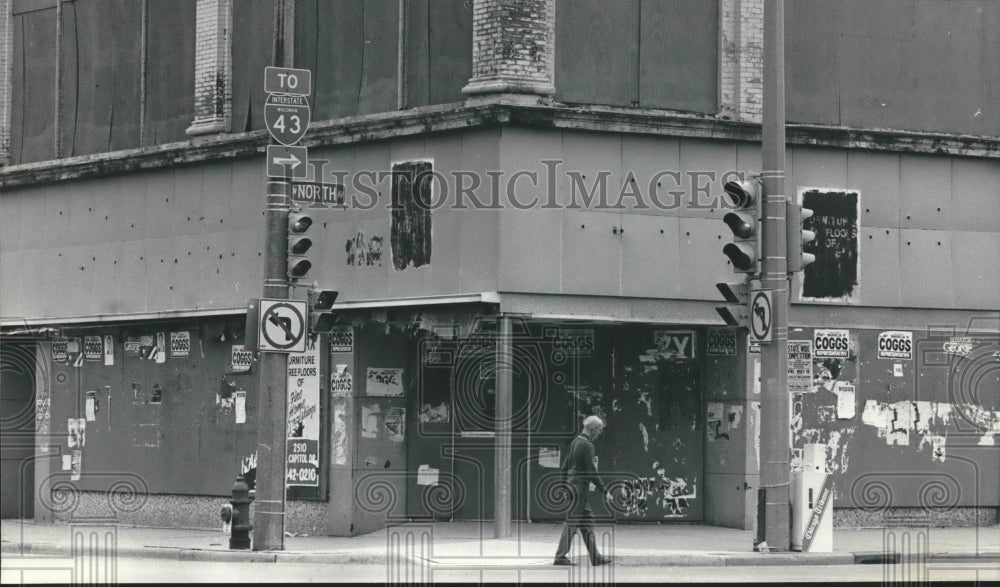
x=579, y=517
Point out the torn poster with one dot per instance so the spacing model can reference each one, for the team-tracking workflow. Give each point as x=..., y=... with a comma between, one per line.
x=800, y=366
x=240, y=359
x=845, y=400
x=342, y=339
x=735, y=416
x=434, y=414
x=91, y=406
x=240, y=399
x=384, y=381
x=60, y=351
x=341, y=382
x=132, y=347
x=77, y=432
x=897, y=370
x=67, y=462
x=395, y=423
x=427, y=476
x=76, y=465
x=109, y=351
x=549, y=457
x=161, y=347
x=937, y=443
x=339, y=434
x=371, y=414
x=180, y=344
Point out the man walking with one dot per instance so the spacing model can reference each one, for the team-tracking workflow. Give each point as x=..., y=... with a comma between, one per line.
x=580, y=470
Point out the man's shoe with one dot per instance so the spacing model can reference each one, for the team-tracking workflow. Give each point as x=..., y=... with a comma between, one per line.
x=564, y=562
x=603, y=560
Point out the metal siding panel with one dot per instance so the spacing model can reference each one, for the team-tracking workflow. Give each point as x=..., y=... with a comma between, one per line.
x=876, y=177
x=449, y=49
x=974, y=186
x=253, y=40
x=13, y=266
x=105, y=270
x=306, y=27
x=185, y=206
x=132, y=287
x=158, y=189
x=704, y=164
x=530, y=251
x=702, y=262
x=245, y=196
x=379, y=61
x=879, y=267
x=125, y=17
x=131, y=213
x=679, y=55
x=591, y=253
x=645, y=158
x=33, y=106
x=11, y=220
x=590, y=155
x=161, y=276
x=650, y=261
x=594, y=43
x=83, y=228
x=479, y=229
x=95, y=75
x=976, y=270
x=926, y=269
x=57, y=215
x=33, y=204
x=337, y=82
x=812, y=61
x=31, y=271
x=816, y=168
x=69, y=82
x=926, y=187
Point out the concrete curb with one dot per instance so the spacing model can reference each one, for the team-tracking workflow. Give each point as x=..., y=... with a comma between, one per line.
x=636, y=560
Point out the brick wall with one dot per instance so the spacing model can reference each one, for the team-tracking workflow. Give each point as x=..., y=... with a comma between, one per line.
x=6, y=63
x=213, y=67
x=513, y=44
x=741, y=59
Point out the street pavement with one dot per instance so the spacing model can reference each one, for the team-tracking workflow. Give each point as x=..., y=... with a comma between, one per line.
x=471, y=545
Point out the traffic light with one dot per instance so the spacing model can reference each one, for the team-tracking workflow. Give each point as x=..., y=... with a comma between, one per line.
x=742, y=252
x=797, y=237
x=738, y=294
x=321, y=319
x=298, y=245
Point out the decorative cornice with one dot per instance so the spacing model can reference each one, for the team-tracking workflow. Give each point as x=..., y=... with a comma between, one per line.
x=458, y=116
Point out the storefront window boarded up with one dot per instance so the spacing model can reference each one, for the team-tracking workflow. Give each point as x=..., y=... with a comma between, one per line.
x=834, y=274
x=411, y=214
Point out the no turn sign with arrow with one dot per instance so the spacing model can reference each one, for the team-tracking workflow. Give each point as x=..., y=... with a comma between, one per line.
x=282, y=326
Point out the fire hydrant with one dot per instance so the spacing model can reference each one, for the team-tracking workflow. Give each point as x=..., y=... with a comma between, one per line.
x=237, y=513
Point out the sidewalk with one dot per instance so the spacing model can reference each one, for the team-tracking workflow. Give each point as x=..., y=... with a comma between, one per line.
x=471, y=544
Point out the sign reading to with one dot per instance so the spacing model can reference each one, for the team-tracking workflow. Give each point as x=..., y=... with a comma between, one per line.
x=895, y=344
x=282, y=326
x=287, y=118
x=832, y=343
x=285, y=80
x=760, y=315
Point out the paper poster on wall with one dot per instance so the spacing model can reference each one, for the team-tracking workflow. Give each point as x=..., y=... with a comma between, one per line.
x=303, y=394
x=77, y=428
x=60, y=351
x=434, y=414
x=427, y=476
x=240, y=359
x=342, y=339
x=897, y=370
x=895, y=344
x=756, y=376
x=240, y=401
x=76, y=465
x=845, y=400
x=131, y=347
x=800, y=366
x=339, y=434
x=549, y=457
x=721, y=342
x=831, y=343
x=180, y=344
x=395, y=424
x=384, y=381
x=735, y=416
x=93, y=348
x=109, y=351
x=74, y=352
x=67, y=462
x=90, y=408
x=674, y=344
x=302, y=467
x=161, y=347
x=341, y=382
x=371, y=416
x=157, y=396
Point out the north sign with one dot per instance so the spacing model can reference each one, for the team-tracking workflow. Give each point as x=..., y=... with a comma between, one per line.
x=287, y=117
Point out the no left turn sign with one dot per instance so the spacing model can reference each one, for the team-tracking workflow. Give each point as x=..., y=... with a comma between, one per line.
x=282, y=326
x=760, y=316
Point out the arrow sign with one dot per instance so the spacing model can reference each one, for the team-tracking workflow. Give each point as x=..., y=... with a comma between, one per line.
x=287, y=117
x=287, y=162
x=760, y=316
x=282, y=326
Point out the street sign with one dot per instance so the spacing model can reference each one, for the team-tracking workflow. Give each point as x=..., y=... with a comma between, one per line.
x=282, y=326
x=287, y=161
x=287, y=117
x=760, y=316
x=285, y=80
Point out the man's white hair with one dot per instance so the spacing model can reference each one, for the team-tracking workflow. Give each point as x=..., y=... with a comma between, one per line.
x=591, y=422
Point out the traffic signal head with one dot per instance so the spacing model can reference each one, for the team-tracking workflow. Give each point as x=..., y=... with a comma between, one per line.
x=321, y=319
x=298, y=245
x=797, y=237
x=743, y=222
x=737, y=295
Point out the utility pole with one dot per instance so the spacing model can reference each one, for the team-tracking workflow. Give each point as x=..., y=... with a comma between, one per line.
x=775, y=413
x=504, y=411
x=272, y=368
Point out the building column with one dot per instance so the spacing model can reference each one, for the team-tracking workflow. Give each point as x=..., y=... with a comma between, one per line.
x=6, y=75
x=513, y=47
x=213, y=67
x=504, y=412
x=741, y=59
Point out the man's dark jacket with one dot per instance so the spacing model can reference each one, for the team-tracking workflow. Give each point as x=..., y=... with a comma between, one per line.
x=578, y=465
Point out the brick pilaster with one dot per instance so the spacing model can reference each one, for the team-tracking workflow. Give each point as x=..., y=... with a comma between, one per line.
x=513, y=47
x=213, y=67
x=6, y=76
x=741, y=59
